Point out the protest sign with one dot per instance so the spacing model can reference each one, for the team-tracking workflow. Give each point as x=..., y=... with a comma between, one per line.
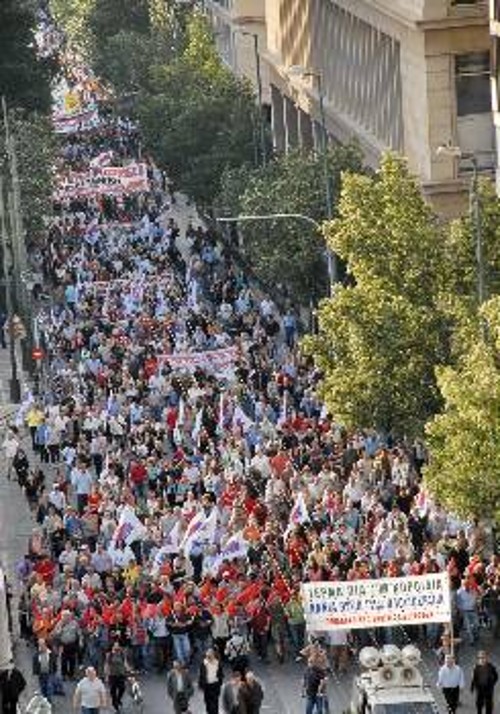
x=111, y=180
x=377, y=603
x=69, y=124
x=216, y=361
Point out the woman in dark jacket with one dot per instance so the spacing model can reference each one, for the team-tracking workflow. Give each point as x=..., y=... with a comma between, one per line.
x=210, y=681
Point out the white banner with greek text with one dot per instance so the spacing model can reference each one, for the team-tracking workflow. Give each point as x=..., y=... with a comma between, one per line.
x=220, y=361
x=386, y=602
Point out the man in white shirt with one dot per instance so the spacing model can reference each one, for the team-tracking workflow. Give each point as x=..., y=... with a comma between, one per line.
x=10, y=447
x=81, y=481
x=57, y=498
x=261, y=462
x=90, y=693
x=451, y=681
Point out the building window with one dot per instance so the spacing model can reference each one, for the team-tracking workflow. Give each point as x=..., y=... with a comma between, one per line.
x=472, y=73
x=475, y=133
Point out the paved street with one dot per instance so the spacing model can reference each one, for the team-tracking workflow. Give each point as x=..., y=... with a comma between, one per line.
x=282, y=682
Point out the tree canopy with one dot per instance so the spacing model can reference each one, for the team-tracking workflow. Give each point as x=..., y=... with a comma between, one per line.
x=382, y=335
x=291, y=251
x=36, y=150
x=464, y=438
x=24, y=78
x=199, y=117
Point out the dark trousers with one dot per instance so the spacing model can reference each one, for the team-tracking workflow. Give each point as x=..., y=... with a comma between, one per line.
x=451, y=694
x=261, y=640
x=81, y=502
x=45, y=682
x=98, y=463
x=9, y=706
x=116, y=689
x=197, y=563
x=68, y=659
x=211, y=694
x=484, y=701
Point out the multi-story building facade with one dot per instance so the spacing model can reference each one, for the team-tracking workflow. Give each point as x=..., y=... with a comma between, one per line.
x=236, y=23
x=407, y=75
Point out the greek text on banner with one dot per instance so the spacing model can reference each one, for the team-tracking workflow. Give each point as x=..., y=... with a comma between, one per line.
x=377, y=603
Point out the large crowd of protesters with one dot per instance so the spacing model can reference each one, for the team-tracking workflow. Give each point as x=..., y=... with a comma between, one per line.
x=147, y=458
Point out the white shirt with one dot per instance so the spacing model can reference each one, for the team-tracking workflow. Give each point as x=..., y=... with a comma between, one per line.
x=91, y=692
x=450, y=677
x=10, y=445
x=58, y=499
x=212, y=667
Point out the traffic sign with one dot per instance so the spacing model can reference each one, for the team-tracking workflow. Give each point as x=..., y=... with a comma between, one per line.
x=37, y=353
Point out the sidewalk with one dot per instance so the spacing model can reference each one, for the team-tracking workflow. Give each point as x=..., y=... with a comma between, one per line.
x=15, y=518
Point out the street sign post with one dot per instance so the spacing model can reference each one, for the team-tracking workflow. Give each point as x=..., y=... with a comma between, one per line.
x=37, y=354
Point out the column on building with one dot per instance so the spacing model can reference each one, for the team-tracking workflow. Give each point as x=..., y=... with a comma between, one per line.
x=277, y=119
x=306, y=138
x=291, y=124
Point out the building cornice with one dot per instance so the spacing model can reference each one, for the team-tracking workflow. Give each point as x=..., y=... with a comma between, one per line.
x=233, y=18
x=456, y=17
x=452, y=22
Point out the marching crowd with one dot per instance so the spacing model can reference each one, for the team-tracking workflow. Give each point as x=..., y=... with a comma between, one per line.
x=184, y=475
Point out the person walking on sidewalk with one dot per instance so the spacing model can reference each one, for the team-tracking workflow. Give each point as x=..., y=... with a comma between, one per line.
x=210, y=681
x=251, y=694
x=90, y=693
x=116, y=670
x=10, y=446
x=12, y=684
x=67, y=633
x=45, y=668
x=451, y=681
x=179, y=687
x=484, y=679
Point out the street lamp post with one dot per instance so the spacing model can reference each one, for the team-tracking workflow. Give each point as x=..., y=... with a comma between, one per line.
x=269, y=217
x=15, y=385
x=258, y=77
x=456, y=152
x=272, y=217
x=298, y=71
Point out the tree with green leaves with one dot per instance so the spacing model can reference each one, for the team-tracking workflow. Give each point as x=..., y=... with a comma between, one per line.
x=35, y=145
x=462, y=248
x=121, y=48
x=464, y=439
x=125, y=60
x=290, y=251
x=24, y=78
x=199, y=118
x=382, y=334
x=72, y=16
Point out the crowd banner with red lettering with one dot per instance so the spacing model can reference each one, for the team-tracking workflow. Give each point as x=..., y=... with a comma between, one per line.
x=215, y=361
x=116, y=180
x=386, y=602
x=71, y=123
